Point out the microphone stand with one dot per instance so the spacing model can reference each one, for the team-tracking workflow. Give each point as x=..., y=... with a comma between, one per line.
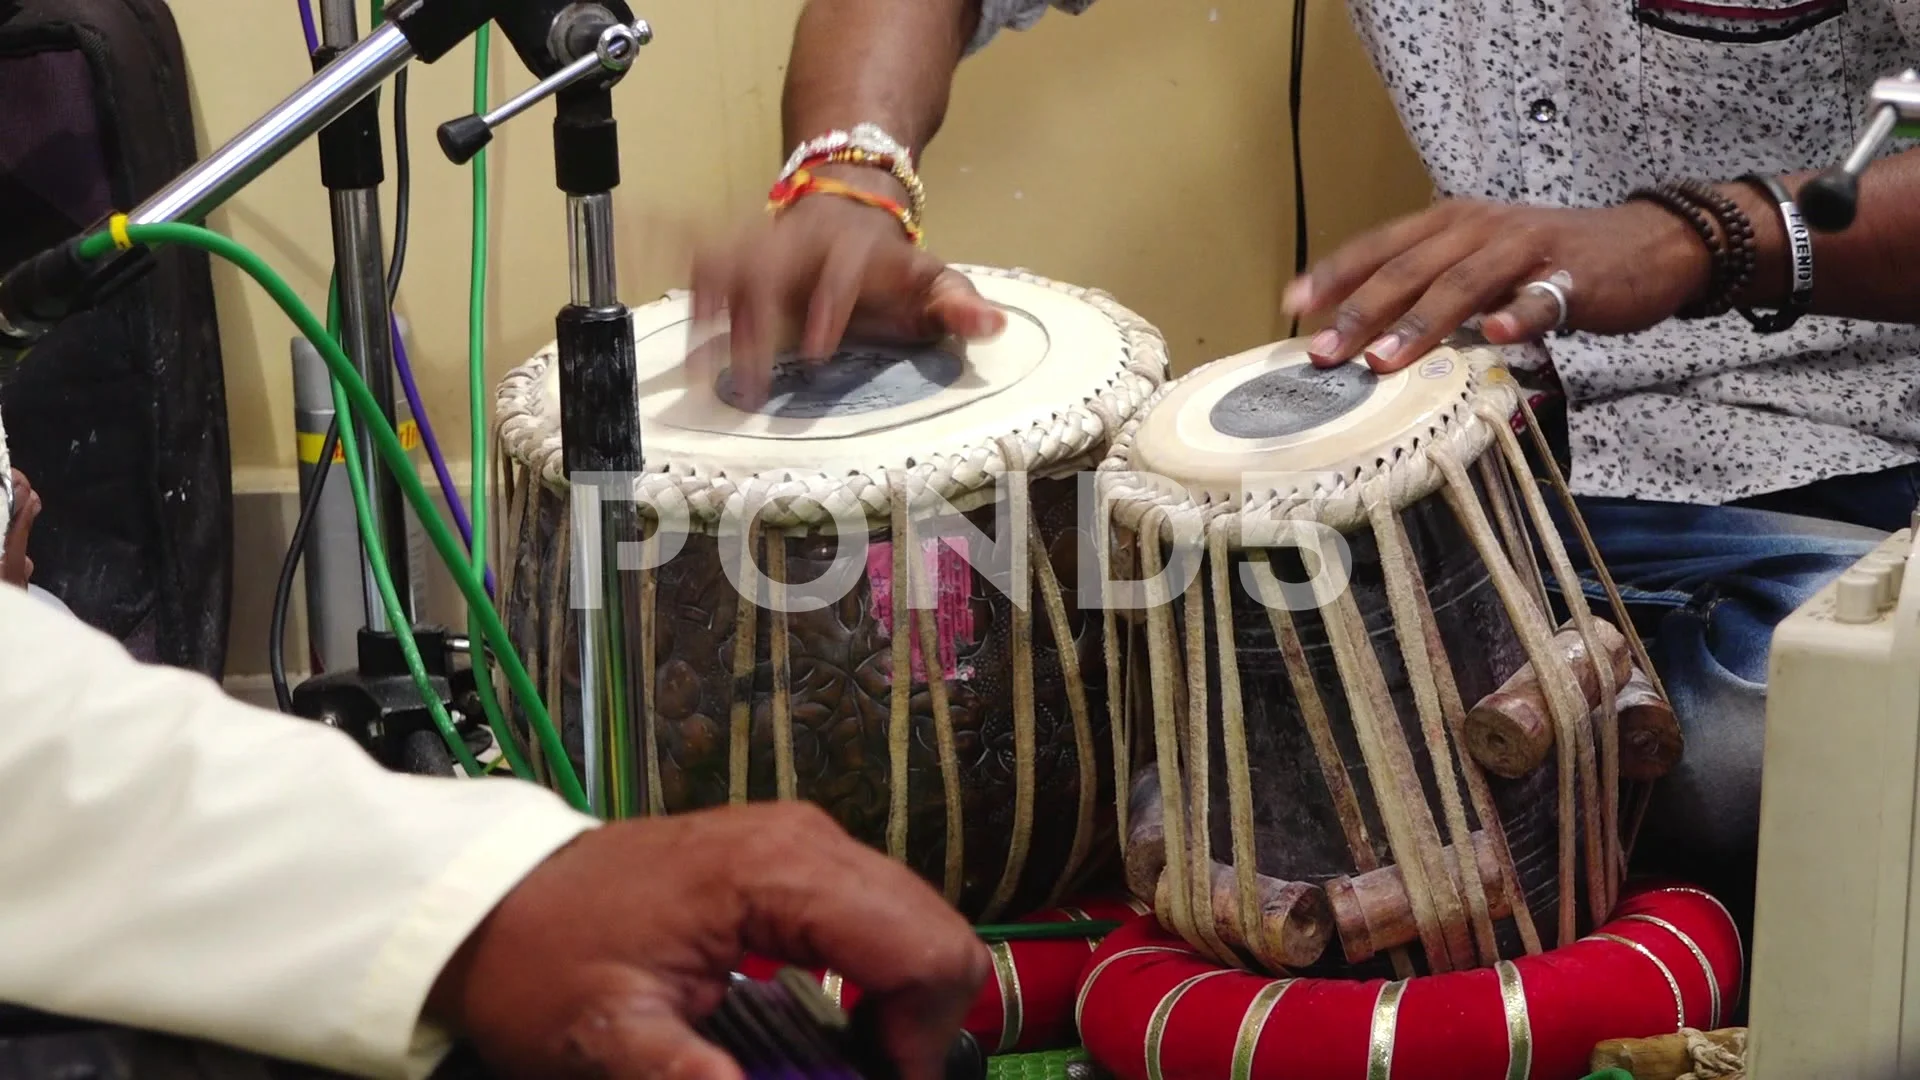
x=579, y=50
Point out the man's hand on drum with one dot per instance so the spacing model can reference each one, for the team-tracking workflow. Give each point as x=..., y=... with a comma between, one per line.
x=1397, y=292
x=597, y=963
x=826, y=268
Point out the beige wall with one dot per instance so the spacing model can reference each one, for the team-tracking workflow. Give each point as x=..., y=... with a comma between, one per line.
x=1141, y=148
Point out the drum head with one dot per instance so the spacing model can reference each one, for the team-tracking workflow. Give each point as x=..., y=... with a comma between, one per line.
x=870, y=406
x=1268, y=422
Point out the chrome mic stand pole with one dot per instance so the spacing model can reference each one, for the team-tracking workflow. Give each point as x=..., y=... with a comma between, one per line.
x=352, y=167
x=599, y=425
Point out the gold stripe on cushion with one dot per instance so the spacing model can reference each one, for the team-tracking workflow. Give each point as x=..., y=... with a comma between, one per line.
x=1157, y=1026
x=1253, y=1024
x=1012, y=1018
x=1679, y=1002
x=834, y=986
x=1706, y=966
x=1513, y=1001
x=1080, y=1005
x=1386, y=1022
x=1715, y=901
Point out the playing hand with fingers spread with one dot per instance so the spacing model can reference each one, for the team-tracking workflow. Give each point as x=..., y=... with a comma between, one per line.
x=824, y=268
x=1397, y=292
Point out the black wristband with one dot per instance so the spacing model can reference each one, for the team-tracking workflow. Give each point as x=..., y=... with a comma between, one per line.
x=1799, y=260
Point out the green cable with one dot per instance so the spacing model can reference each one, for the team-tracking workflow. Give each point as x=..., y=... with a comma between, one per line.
x=1049, y=931
x=476, y=397
x=449, y=546
x=377, y=558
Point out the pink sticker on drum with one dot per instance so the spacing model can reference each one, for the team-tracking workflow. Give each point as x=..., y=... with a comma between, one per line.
x=945, y=560
x=1438, y=367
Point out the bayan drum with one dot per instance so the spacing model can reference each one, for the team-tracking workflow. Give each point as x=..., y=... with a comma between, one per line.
x=862, y=593
x=1335, y=568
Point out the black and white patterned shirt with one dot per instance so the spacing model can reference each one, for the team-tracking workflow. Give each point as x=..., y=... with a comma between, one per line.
x=1576, y=103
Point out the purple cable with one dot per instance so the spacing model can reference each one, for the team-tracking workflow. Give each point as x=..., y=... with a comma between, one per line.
x=405, y=369
x=419, y=408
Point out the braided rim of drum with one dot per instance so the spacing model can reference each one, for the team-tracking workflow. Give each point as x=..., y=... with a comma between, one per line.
x=1463, y=432
x=1230, y=910
x=797, y=499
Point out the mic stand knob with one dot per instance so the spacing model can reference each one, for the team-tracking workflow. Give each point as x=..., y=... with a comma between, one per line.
x=1831, y=199
x=612, y=56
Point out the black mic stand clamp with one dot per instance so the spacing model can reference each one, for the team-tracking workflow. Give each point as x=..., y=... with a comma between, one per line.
x=588, y=49
x=1831, y=199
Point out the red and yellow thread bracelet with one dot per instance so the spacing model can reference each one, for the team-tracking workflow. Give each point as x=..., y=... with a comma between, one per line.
x=899, y=168
x=804, y=183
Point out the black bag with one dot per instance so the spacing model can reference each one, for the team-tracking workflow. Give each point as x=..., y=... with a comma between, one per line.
x=119, y=417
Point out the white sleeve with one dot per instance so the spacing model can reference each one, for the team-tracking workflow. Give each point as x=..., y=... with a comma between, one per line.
x=173, y=860
x=998, y=15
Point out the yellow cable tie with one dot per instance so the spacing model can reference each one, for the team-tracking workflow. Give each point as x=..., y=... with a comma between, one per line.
x=117, y=227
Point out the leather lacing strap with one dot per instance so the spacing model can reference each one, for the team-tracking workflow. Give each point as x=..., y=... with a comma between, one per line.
x=1313, y=712
x=1194, y=725
x=1564, y=701
x=1601, y=791
x=745, y=654
x=1119, y=678
x=1068, y=651
x=1454, y=709
x=785, y=783
x=924, y=615
x=900, y=721
x=1233, y=733
x=1513, y=530
x=1396, y=563
x=1177, y=914
x=1438, y=914
x=1618, y=605
x=1014, y=457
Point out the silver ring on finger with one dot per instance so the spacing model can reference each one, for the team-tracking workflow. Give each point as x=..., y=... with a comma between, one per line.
x=1556, y=286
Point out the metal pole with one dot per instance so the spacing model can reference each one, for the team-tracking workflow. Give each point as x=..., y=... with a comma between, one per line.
x=590, y=250
x=366, y=334
x=601, y=342
x=331, y=93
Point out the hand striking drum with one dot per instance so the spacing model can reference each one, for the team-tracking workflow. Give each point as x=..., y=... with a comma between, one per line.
x=1337, y=568
x=943, y=697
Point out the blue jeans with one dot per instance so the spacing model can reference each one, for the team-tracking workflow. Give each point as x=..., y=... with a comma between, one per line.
x=1708, y=584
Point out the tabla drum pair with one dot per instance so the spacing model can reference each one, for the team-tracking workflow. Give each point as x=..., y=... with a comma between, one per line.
x=924, y=501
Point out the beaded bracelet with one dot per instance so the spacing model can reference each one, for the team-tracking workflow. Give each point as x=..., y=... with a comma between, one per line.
x=804, y=183
x=1723, y=227
x=901, y=168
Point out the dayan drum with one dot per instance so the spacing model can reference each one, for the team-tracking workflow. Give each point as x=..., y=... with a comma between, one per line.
x=863, y=593
x=1338, y=568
